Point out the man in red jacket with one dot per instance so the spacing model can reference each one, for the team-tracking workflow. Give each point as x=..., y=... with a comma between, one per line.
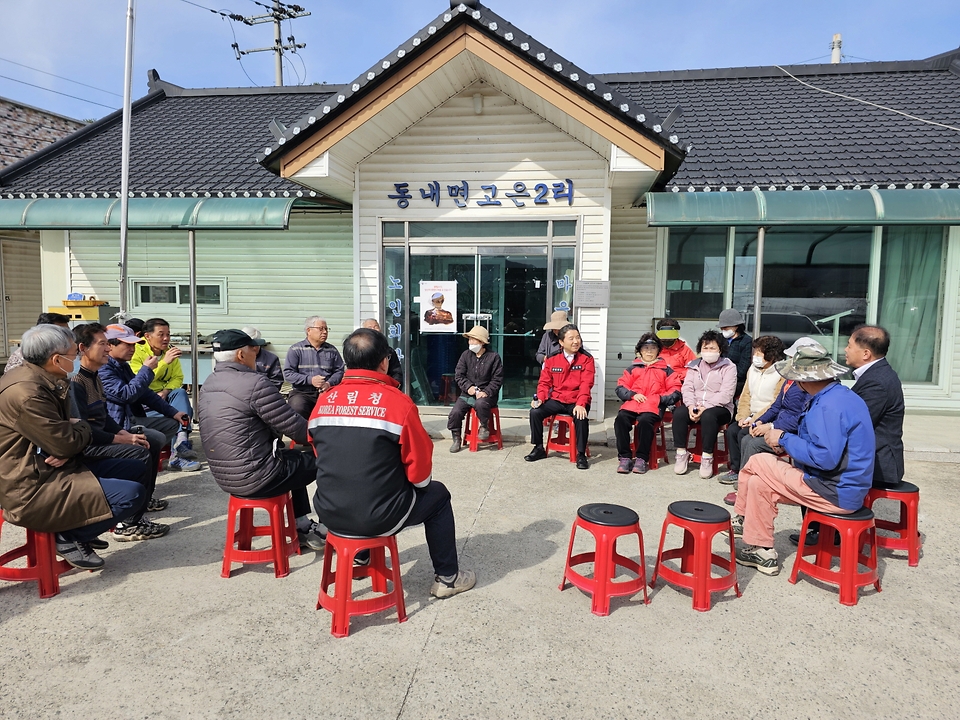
x=375, y=462
x=564, y=389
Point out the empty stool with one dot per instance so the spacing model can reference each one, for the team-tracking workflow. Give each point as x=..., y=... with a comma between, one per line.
x=282, y=531
x=40, y=551
x=658, y=447
x=700, y=523
x=908, y=534
x=856, y=532
x=606, y=523
x=566, y=438
x=720, y=455
x=471, y=434
x=341, y=604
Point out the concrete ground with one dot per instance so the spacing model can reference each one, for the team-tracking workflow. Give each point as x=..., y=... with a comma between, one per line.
x=159, y=634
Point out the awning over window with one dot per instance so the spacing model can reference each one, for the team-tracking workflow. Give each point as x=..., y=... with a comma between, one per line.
x=805, y=207
x=147, y=213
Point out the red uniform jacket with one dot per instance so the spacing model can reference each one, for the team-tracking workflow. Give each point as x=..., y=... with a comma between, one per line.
x=567, y=382
x=652, y=381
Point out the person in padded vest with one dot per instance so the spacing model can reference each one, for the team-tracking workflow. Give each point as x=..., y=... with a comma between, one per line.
x=646, y=387
x=564, y=389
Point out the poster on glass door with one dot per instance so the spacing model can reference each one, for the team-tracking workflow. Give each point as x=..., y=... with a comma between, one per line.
x=438, y=306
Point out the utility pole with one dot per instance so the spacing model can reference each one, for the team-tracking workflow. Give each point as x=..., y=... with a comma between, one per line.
x=279, y=13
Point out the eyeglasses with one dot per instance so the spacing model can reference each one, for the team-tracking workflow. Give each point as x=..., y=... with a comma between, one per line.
x=321, y=329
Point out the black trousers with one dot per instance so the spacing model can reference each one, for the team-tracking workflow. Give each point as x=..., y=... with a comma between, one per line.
x=623, y=427
x=735, y=436
x=461, y=408
x=552, y=407
x=299, y=470
x=303, y=401
x=147, y=477
x=710, y=422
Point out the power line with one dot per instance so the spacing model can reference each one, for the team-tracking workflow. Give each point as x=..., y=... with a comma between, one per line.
x=61, y=77
x=228, y=15
x=57, y=92
x=240, y=60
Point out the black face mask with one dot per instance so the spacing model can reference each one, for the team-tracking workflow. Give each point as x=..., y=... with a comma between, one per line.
x=668, y=343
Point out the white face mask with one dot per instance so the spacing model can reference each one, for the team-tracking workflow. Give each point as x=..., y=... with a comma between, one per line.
x=758, y=361
x=728, y=333
x=710, y=357
x=475, y=347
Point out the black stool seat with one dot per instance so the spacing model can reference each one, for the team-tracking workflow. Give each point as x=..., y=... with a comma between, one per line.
x=901, y=487
x=604, y=514
x=696, y=511
x=861, y=514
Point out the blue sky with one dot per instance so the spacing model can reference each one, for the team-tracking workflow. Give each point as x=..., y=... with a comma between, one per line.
x=83, y=40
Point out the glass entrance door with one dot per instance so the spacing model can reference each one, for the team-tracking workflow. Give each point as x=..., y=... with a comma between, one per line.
x=504, y=289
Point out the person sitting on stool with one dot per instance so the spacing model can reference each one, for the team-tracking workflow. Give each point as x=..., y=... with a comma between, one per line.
x=479, y=375
x=564, y=389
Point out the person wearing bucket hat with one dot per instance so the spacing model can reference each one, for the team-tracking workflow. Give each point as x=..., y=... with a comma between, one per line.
x=479, y=375
x=267, y=362
x=732, y=326
x=676, y=353
x=832, y=452
x=549, y=344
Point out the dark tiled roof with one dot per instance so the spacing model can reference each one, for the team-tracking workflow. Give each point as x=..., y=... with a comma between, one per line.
x=190, y=141
x=760, y=127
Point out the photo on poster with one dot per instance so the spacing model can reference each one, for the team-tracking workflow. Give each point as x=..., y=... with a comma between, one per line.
x=438, y=305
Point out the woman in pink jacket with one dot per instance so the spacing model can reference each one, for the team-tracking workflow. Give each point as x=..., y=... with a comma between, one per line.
x=707, y=399
x=647, y=386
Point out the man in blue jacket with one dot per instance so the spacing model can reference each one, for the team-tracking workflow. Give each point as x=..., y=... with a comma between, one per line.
x=832, y=451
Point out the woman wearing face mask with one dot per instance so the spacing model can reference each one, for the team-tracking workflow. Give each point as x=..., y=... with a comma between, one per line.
x=759, y=392
x=479, y=375
x=646, y=387
x=741, y=346
x=707, y=400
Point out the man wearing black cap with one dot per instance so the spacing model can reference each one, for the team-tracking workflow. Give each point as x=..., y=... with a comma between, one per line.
x=243, y=418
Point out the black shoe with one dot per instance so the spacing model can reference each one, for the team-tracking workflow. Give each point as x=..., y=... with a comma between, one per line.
x=456, y=443
x=538, y=453
x=80, y=555
x=314, y=538
x=98, y=544
x=582, y=463
x=813, y=537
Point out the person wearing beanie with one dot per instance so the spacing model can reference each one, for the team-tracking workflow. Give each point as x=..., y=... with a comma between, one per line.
x=734, y=329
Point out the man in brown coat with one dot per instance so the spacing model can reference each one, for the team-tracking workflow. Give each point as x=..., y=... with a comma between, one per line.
x=43, y=486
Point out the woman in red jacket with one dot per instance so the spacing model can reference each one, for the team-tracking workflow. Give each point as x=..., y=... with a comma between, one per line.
x=564, y=389
x=647, y=386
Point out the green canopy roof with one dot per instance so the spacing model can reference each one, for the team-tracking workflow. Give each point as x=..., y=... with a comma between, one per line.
x=805, y=207
x=176, y=213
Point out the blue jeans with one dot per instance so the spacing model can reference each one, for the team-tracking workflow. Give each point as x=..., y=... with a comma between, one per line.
x=180, y=401
x=122, y=483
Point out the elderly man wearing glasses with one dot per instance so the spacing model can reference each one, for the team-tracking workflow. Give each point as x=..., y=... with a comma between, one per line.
x=313, y=366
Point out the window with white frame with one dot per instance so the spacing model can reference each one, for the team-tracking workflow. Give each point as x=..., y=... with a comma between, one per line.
x=160, y=294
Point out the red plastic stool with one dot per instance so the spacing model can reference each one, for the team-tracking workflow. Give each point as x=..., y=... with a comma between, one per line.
x=700, y=523
x=720, y=455
x=40, y=551
x=566, y=438
x=606, y=523
x=658, y=450
x=281, y=530
x=164, y=456
x=907, y=534
x=341, y=604
x=856, y=530
x=471, y=433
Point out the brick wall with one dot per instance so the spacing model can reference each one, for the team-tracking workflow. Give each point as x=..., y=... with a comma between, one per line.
x=25, y=130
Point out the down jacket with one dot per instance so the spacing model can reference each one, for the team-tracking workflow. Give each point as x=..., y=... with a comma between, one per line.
x=35, y=416
x=242, y=418
x=708, y=386
x=655, y=381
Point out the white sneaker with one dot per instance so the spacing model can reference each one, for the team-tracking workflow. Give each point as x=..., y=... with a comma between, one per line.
x=683, y=459
x=706, y=466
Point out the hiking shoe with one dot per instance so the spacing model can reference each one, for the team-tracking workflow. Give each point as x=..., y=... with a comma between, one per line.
x=683, y=459
x=706, y=466
x=143, y=530
x=640, y=466
x=362, y=559
x=626, y=464
x=98, y=544
x=457, y=443
x=464, y=580
x=156, y=505
x=183, y=465
x=763, y=559
x=312, y=538
x=79, y=555
x=728, y=478
x=730, y=499
x=736, y=522
x=483, y=434
x=184, y=449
